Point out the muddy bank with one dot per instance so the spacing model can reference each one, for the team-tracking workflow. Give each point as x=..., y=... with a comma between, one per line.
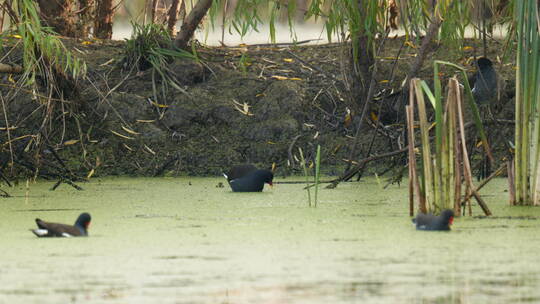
x=246, y=104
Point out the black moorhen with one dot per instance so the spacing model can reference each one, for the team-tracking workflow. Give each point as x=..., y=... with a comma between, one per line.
x=247, y=178
x=484, y=82
x=432, y=222
x=484, y=89
x=239, y=171
x=46, y=229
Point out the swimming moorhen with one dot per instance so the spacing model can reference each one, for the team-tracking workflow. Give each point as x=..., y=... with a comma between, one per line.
x=47, y=229
x=432, y=222
x=247, y=178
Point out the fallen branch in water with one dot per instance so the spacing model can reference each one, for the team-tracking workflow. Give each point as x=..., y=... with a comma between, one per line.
x=4, y=193
x=350, y=173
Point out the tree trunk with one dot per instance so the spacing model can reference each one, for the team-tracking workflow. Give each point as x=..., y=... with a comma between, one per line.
x=173, y=17
x=86, y=17
x=361, y=63
x=104, y=18
x=59, y=16
x=192, y=21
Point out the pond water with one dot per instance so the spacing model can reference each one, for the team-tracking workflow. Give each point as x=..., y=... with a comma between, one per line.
x=183, y=240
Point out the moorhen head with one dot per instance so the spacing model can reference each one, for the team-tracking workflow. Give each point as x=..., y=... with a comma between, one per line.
x=432, y=222
x=47, y=229
x=247, y=178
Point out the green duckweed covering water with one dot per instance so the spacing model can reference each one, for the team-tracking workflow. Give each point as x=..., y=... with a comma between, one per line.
x=183, y=240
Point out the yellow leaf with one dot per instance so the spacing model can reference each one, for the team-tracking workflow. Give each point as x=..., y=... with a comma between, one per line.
x=384, y=81
x=120, y=135
x=158, y=105
x=86, y=42
x=279, y=77
x=90, y=174
x=16, y=36
x=410, y=44
x=467, y=48
x=274, y=167
x=271, y=143
x=374, y=116
x=288, y=60
x=295, y=78
x=260, y=95
x=71, y=142
x=130, y=131
x=348, y=119
x=11, y=79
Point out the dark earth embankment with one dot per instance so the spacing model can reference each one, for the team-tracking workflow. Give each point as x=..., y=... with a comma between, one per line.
x=294, y=97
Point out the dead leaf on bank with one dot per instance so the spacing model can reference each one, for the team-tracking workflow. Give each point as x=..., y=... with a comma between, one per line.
x=149, y=150
x=71, y=142
x=158, y=104
x=90, y=174
x=107, y=62
x=242, y=107
x=348, y=118
x=121, y=135
x=128, y=147
x=130, y=131
x=350, y=161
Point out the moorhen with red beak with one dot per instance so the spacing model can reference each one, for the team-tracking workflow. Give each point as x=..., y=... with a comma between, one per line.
x=432, y=222
x=47, y=229
x=247, y=178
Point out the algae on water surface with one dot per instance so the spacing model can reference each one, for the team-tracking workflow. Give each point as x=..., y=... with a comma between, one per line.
x=182, y=240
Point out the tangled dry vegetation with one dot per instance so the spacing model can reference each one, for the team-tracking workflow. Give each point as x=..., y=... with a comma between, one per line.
x=246, y=104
